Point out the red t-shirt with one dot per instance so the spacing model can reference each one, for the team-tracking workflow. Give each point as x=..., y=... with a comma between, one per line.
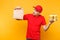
x=34, y=25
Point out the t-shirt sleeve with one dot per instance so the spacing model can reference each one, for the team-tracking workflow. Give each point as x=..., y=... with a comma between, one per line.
x=43, y=21
x=25, y=17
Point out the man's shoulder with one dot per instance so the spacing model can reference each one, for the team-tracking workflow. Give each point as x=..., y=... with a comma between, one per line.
x=28, y=14
x=42, y=17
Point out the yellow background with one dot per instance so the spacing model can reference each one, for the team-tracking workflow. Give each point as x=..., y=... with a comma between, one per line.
x=11, y=29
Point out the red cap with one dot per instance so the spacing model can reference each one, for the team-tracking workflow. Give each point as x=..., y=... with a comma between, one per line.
x=38, y=8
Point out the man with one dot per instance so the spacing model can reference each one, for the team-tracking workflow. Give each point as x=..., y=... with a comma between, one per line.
x=35, y=21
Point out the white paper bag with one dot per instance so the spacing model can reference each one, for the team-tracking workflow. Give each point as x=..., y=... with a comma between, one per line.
x=18, y=13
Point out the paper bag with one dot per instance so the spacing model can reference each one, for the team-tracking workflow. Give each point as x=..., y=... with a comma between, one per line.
x=18, y=13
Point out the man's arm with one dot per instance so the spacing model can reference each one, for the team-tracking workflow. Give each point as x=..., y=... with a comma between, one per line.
x=25, y=17
x=47, y=27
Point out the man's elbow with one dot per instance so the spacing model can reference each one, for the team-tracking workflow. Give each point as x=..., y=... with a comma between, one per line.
x=45, y=29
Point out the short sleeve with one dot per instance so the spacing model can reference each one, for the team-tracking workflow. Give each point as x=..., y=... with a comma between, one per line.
x=43, y=21
x=25, y=17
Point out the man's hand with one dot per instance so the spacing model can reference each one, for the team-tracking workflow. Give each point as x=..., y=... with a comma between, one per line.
x=19, y=19
x=51, y=21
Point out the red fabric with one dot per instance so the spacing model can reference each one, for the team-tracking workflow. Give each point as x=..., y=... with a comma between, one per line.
x=38, y=8
x=34, y=24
